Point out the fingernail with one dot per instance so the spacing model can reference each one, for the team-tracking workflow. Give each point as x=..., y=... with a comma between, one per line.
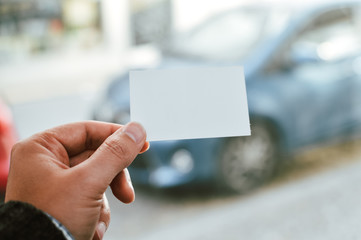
x=106, y=202
x=101, y=228
x=129, y=180
x=127, y=176
x=135, y=131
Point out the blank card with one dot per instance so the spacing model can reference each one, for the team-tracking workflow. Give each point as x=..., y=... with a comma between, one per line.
x=190, y=103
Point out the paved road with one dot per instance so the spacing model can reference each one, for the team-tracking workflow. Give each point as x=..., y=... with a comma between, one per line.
x=322, y=204
x=317, y=197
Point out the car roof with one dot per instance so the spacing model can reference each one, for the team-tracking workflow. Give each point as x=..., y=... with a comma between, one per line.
x=304, y=6
x=300, y=4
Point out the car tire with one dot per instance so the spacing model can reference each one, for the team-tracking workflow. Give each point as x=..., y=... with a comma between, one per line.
x=247, y=162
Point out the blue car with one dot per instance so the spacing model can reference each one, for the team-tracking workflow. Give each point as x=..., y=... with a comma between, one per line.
x=303, y=77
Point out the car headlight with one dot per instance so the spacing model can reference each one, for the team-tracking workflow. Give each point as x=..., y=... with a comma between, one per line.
x=182, y=161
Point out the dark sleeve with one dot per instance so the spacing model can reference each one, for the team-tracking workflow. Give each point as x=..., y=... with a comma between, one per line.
x=19, y=220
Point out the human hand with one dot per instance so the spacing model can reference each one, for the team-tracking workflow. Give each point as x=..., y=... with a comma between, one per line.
x=65, y=171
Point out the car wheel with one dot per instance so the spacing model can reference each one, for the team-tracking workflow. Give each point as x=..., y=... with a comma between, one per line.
x=246, y=162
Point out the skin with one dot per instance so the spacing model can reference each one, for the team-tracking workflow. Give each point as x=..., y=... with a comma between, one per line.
x=66, y=170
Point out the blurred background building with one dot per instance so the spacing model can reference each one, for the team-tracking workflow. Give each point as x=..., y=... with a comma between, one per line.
x=63, y=46
x=31, y=28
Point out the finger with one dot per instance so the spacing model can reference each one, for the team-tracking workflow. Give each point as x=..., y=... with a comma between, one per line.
x=81, y=157
x=77, y=137
x=104, y=220
x=122, y=187
x=145, y=147
x=75, y=160
x=115, y=154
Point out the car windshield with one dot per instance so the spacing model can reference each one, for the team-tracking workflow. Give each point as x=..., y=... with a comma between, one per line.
x=230, y=36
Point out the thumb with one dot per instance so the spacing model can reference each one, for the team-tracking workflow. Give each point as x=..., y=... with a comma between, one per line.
x=115, y=153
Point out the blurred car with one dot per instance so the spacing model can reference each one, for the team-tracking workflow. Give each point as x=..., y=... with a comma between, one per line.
x=302, y=68
x=8, y=138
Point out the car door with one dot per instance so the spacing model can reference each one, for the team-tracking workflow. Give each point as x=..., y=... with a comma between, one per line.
x=316, y=77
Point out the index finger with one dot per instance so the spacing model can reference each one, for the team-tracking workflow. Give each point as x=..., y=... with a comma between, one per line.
x=80, y=136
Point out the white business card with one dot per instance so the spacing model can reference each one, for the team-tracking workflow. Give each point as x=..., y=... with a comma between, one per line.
x=190, y=103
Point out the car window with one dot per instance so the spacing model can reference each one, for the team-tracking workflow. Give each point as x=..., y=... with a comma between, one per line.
x=330, y=37
x=231, y=36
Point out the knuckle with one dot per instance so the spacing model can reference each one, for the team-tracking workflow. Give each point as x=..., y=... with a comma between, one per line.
x=16, y=148
x=20, y=147
x=18, y=153
x=117, y=149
